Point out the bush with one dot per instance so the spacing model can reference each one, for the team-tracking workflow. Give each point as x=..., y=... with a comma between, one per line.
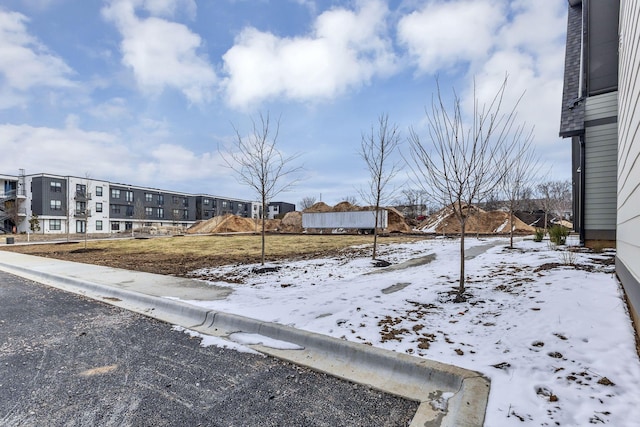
x=538, y=235
x=558, y=234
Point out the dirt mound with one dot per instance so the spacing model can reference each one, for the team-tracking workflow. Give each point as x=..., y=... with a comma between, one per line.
x=479, y=221
x=396, y=222
x=291, y=223
x=207, y=226
x=224, y=224
x=345, y=207
x=319, y=207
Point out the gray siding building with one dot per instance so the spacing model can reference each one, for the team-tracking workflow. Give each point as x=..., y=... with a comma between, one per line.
x=86, y=205
x=590, y=115
x=601, y=114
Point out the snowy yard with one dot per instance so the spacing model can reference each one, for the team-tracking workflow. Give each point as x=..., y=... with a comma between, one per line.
x=548, y=326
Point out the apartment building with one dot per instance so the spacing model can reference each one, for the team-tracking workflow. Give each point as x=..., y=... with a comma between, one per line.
x=86, y=205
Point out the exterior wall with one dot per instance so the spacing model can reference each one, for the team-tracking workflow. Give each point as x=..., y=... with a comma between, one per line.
x=280, y=208
x=89, y=204
x=628, y=204
x=601, y=144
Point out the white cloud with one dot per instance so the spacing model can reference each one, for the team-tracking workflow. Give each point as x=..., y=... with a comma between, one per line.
x=26, y=63
x=445, y=34
x=69, y=151
x=74, y=151
x=111, y=109
x=169, y=8
x=162, y=53
x=345, y=50
x=489, y=39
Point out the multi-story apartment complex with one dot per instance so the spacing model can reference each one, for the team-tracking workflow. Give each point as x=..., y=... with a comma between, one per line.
x=86, y=205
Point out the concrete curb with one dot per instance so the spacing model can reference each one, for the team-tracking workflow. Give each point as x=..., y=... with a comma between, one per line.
x=449, y=395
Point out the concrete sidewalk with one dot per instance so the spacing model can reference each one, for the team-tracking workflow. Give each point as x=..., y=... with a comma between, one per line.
x=449, y=396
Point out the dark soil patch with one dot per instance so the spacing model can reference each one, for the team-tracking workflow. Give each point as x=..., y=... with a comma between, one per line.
x=85, y=250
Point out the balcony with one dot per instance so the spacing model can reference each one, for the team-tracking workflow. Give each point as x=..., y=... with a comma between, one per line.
x=82, y=214
x=82, y=196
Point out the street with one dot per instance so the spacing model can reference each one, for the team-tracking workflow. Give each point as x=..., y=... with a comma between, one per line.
x=70, y=361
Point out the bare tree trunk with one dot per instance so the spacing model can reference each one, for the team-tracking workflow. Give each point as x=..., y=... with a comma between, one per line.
x=461, y=284
x=511, y=228
x=262, y=233
x=375, y=235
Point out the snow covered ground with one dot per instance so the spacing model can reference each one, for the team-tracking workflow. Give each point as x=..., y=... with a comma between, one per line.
x=548, y=326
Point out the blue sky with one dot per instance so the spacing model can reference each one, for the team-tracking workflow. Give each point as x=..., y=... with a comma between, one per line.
x=144, y=92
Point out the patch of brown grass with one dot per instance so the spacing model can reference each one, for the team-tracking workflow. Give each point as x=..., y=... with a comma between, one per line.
x=181, y=254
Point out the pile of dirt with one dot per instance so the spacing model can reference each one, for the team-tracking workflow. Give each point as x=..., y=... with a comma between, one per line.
x=479, y=221
x=396, y=222
x=291, y=223
x=346, y=207
x=319, y=207
x=206, y=226
x=232, y=224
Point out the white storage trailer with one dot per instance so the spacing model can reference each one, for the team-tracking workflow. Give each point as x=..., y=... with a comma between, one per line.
x=364, y=221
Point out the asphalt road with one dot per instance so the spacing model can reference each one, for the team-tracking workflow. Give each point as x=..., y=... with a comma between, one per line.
x=71, y=361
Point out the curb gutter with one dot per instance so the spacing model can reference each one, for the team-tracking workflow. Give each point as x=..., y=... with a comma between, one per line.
x=449, y=396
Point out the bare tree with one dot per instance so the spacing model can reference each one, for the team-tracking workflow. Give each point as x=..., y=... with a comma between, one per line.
x=519, y=169
x=458, y=161
x=377, y=149
x=412, y=201
x=561, y=197
x=307, y=202
x=82, y=196
x=352, y=200
x=177, y=212
x=259, y=164
x=139, y=214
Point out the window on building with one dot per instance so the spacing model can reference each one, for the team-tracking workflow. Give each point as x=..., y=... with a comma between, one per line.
x=206, y=201
x=115, y=193
x=185, y=202
x=160, y=213
x=224, y=203
x=56, y=205
x=128, y=196
x=99, y=191
x=81, y=188
x=81, y=227
x=176, y=213
x=81, y=208
x=56, y=187
x=148, y=211
x=129, y=211
x=98, y=225
x=160, y=199
x=115, y=209
x=148, y=197
x=206, y=214
x=115, y=226
x=98, y=207
x=55, y=224
x=185, y=214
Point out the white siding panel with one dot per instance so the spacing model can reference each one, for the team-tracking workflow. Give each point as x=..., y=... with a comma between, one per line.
x=628, y=234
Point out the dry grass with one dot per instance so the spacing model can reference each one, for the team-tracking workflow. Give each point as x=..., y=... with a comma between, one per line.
x=180, y=254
